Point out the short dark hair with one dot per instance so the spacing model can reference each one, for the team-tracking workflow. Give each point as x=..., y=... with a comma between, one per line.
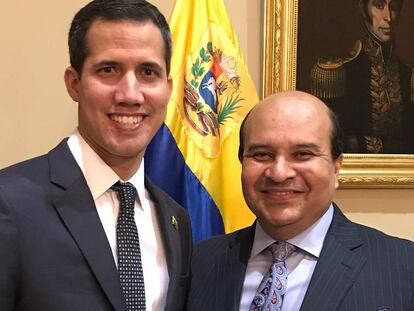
x=113, y=10
x=337, y=136
x=337, y=139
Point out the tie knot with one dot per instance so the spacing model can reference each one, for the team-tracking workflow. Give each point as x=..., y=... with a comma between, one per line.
x=127, y=193
x=281, y=250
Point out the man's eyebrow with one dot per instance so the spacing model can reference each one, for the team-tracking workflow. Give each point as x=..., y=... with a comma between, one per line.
x=151, y=65
x=257, y=146
x=105, y=63
x=307, y=145
x=299, y=145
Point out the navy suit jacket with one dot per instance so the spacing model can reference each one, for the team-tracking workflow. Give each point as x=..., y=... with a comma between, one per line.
x=359, y=268
x=54, y=254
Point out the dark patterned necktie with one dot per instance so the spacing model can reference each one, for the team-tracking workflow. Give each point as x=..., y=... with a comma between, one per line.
x=129, y=255
x=269, y=295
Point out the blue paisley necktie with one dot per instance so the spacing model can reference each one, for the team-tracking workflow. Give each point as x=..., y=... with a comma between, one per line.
x=269, y=295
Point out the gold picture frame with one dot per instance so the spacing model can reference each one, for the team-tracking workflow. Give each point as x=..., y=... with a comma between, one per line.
x=279, y=73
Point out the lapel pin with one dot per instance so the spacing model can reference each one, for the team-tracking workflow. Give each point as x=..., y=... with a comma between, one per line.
x=174, y=222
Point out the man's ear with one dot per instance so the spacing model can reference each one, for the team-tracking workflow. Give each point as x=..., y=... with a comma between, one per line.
x=72, y=79
x=170, y=85
x=338, y=165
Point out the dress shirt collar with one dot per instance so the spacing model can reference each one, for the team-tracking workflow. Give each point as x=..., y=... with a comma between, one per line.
x=99, y=176
x=310, y=240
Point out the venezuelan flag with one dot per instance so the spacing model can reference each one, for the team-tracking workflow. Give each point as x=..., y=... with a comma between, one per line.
x=193, y=157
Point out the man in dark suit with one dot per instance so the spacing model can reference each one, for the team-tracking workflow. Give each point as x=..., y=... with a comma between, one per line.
x=59, y=226
x=301, y=253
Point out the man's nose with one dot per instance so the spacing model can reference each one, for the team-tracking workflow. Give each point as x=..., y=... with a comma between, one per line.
x=387, y=13
x=129, y=90
x=280, y=170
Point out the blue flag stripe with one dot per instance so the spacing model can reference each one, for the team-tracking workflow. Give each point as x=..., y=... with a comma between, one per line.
x=165, y=166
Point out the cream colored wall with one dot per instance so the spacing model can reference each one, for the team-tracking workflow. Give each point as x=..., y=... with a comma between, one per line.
x=36, y=111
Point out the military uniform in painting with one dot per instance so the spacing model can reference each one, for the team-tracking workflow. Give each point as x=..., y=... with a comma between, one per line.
x=372, y=93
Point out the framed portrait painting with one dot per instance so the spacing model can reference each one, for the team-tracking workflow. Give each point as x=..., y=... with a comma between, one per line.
x=354, y=55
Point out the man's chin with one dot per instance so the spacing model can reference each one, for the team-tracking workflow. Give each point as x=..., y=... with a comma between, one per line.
x=385, y=38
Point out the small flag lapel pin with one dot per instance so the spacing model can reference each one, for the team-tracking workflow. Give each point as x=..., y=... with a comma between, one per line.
x=174, y=222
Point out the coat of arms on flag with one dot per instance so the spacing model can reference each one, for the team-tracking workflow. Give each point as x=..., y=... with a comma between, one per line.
x=212, y=96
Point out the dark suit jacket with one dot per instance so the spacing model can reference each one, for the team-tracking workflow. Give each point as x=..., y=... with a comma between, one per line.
x=54, y=254
x=359, y=268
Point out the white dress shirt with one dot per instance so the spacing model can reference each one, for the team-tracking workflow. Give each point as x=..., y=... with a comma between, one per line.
x=100, y=177
x=300, y=264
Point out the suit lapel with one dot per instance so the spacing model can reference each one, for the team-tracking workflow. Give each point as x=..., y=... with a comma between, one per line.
x=231, y=270
x=338, y=266
x=171, y=238
x=76, y=207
